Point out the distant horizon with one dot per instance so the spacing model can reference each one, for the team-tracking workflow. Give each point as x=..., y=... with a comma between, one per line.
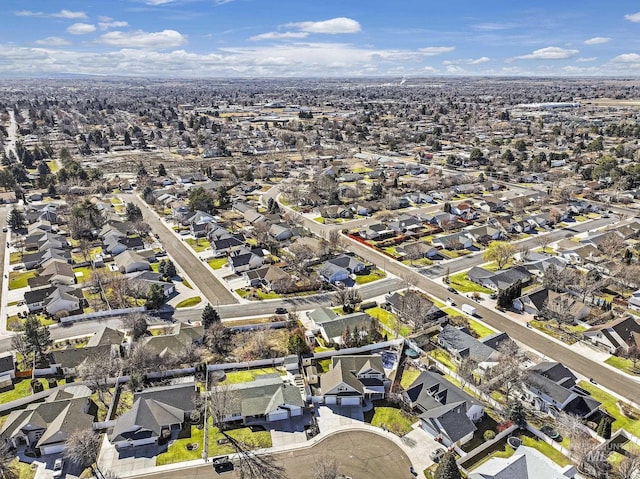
x=329, y=39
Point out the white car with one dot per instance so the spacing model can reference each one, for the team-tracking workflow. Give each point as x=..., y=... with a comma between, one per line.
x=57, y=467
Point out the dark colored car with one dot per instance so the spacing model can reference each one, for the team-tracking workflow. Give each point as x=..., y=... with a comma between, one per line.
x=281, y=310
x=452, y=290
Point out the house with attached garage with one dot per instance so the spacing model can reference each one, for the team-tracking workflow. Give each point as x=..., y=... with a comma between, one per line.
x=454, y=241
x=377, y=231
x=130, y=262
x=616, y=336
x=445, y=411
x=245, y=259
x=157, y=415
x=44, y=427
x=333, y=329
x=353, y=380
x=501, y=279
x=536, y=302
x=551, y=387
x=352, y=265
x=54, y=299
x=459, y=343
x=266, y=400
x=266, y=277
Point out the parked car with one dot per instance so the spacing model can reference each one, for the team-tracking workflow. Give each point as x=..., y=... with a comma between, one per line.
x=281, y=310
x=452, y=290
x=437, y=454
x=58, y=466
x=4, y=229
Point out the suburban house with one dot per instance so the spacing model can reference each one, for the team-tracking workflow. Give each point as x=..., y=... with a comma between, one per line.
x=352, y=265
x=54, y=273
x=634, y=300
x=143, y=280
x=419, y=248
x=454, y=241
x=66, y=361
x=333, y=329
x=265, y=277
x=45, y=426
x=280, y=232
x=245, y=259
x=445, y=411
x=501, y=279
x=352, y=380
x=538, y=264
x=54, y=299
x=551, y=387
x=156, y=415
x=174, y=344
x=461, y=345
x=409, y=302
x=406, y=224
x=199, y=222
x=333, y=273
x=265, y=400
x=130, y=262
x=485, y=233
x=227, y=244
x=616, y=336
x=525, y=463
x=565, y=303
x=377, y=231
x=7, y=370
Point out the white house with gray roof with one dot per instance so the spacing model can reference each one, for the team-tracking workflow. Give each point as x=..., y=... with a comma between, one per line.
x=353, y=379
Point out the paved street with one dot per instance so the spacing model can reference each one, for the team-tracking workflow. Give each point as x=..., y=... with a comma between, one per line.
x=359, y=454
x=199, y=272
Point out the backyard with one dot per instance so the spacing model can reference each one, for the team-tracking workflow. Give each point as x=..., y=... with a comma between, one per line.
x=610, y=404
x=389, y=320
x=234, y=377
x=21, y=389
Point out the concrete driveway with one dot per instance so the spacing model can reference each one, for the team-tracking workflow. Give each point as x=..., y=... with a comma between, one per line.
x=330, y=417
x=126, y=462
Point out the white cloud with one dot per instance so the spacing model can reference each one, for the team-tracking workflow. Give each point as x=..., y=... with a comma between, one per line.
x=61, y=14
x=432, y=51
x=53, y=42
x=158, y=2
x=633, y=17
x=69, y=14
x=597, y=40
x=279, y=35
x=106, y=24
x=455, y=70
x=586, y=60
x=478, y=61
x=549, y=53
x=332, y=26
x=81, y=28
x=627, y=58
x=140, y=39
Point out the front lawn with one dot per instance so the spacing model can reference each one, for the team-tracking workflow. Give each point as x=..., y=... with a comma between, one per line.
x=235, y=377
x=374, y=275
x=198, y=244
x=461, y=283
x=389, y=320
x=15, y=257
x=177, y=451
x=19, y=280
x=610, y=404
x=217, y=263
x=480, y=329
x=391, y=419
x=623, y=364
x=189, y=302
x=566, y=333
x=24, y=469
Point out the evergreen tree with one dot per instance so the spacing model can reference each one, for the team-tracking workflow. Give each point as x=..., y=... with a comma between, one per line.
x=515, y=413
x=161, y=170
x=604, y=427
x=134, y=212
x=297, y=344
x=209, y=316
x=447, y=207
x=38, y=338
x=447, y=468
x=155, y=298
x=169, y=269
x=17, y=220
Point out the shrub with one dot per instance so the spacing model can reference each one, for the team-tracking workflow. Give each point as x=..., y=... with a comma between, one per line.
x=489, y=435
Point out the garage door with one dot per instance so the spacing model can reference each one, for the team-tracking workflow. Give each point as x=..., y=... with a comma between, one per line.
x=350, y=401
x=53, y=449
x=278, y=415
x=330, y=400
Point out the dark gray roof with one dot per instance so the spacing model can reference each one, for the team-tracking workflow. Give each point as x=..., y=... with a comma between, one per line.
x=464, y=344
x=338, y=325
x=146, y=418
x=265, y=394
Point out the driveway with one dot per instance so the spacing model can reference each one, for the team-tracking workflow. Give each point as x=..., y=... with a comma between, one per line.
x=330, y=417
x=126, y=462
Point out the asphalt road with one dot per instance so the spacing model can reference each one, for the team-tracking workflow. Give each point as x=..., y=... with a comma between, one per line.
x=210, y=286
x=358, y=454
x=466, y=262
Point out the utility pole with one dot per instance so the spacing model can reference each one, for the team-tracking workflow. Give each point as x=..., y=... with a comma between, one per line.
x=205, y=448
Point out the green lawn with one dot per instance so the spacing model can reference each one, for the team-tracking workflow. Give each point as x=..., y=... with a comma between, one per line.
x=625, y=365
x=15, y=257
x=24, y=469
x=217, y=263
x=53, y=166
x=319, y=219
x=480, y=329
x=609, y=403
x=443, y=357
x=267, y=295
x=392, y=419
x=86, y=274
x=19, y=280
x=189, y=302
x=374, y=275
x=235, y=377
x=389, y=320
x=21, y=390
x=19, y=322
x=462, y=284
x=408, y=376
x=549, y=327
x=177, y=452
x=198, y=245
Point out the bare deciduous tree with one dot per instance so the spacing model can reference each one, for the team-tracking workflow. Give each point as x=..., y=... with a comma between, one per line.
x=324, y=467
x=96, y=370
x=82, y=447
x=8, y=469
x=466, y=369
x=628, y=468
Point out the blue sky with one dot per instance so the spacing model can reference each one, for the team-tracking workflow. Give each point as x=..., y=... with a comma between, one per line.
x=310, y=38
